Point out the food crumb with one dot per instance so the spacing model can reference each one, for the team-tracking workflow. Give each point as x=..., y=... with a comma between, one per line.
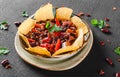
x=114, y=8
x=5, y=63
x=102, y=43
x=101, y=72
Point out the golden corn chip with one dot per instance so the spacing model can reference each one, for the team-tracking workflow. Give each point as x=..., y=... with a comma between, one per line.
x=26, y=26
x=63, y=13
x=65, y=50
x=79, y=41
x=39, y=51
x=79, y=23
x=25, y=39
x=45, y=12
x=76, y=45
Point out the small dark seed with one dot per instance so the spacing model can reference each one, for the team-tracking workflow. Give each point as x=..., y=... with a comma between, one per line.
x=102, y=43
x=88, y=15
x=109, y=61
x=117, y=74
x=80, y=14
x=101, y=72
x=105, y=30
x=107, y=19
x=17, y=23
x=5, y=63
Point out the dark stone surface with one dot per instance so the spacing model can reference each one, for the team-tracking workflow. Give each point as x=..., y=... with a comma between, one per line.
x=11, y=10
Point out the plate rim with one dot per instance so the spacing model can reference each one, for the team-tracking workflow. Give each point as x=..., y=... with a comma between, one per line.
x=75, y=64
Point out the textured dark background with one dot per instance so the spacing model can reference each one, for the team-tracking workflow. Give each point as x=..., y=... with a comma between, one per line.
x=11, y=10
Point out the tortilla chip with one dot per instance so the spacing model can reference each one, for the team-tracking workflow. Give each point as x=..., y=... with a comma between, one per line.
x=63, y=13
x=39, y=51
x=76, y=45
x=25, y=39
x=65, y=50
x=79, y=41
x=79, y=23
x=26, y=26
x=45, y=12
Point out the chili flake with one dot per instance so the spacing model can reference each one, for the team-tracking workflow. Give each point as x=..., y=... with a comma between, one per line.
x=117, y=74
x=5, y=63
x=102, y=43
x=109, y=61
x=101, y=72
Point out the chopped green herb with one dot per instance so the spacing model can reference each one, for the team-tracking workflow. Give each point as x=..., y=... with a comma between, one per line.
x=4, y=51
x=117, y=50
x=4, y=25
x=25, y=14
x=47, y=25
x=55, y=28
x=94, y=22
x=101, y=24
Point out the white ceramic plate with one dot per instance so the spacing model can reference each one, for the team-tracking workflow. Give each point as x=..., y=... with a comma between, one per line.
x=55, y=65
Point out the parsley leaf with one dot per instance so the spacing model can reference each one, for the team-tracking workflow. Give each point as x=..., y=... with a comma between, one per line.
x=94, y=22
x=4, y=25
x=4, y=51
x=101, y=24
x=55, y=28
x=25, y=14
x=117, y=50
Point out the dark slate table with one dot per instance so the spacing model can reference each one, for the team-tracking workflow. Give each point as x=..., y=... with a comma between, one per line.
x=11, y=10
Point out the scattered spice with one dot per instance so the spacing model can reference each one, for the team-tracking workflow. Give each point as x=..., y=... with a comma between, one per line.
x=80, y=14
x=4, y=51
x=5, y=63
x=117, y=50
x=108, y=41
x=102, y=43
x=4, y=25
x=101, y=72
x=25, y=14
x=119, y=60
x=105, y=30
x=117, y=74
x=107, y=25
x=107, y=19
x=17, y=24
x=88, y=15
x=109, y=61
x=114, y=8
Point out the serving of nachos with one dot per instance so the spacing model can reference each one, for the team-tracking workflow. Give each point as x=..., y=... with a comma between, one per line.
x=53, y=31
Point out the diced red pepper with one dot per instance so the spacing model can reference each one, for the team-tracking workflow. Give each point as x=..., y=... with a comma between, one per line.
x=33, y=30
x=31, y=40
x=46, y=45
x=56, y=34
x=46, y=40
x=58, y=44
x=37, y=25
x=57, y=22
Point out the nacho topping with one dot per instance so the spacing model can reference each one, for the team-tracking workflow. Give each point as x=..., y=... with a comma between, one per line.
x=52, y=34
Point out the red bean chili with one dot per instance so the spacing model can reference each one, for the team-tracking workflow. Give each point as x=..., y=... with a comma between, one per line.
x=41, y=36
